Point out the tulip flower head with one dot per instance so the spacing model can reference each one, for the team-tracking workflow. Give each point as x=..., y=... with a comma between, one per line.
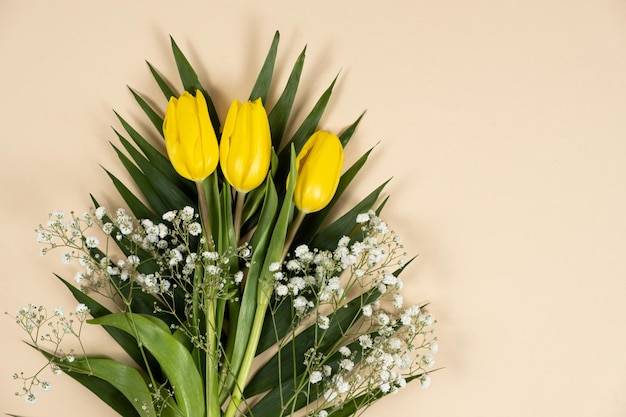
x=246, y=145
x=190, y=140
x=318, y=169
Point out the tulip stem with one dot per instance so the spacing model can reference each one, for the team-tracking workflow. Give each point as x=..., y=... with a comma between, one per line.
x=292, y=232
x=204, y=214
x=241, y=196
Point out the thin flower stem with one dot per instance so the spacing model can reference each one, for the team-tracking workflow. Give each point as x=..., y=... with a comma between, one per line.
x=204, y=214
x=241, y=196
x=292, y=233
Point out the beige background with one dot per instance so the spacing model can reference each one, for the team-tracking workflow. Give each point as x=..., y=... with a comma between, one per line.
x=502, y=122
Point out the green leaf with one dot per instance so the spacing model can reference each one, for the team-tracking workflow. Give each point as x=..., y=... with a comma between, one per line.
x=279, y=116
x=264, y=79
x=127, y=380
x=346, y=135
x=163, y=85
x=174, y=358
x=104, y=390
x=143, y=183
x=167, y=189
x=155, y=118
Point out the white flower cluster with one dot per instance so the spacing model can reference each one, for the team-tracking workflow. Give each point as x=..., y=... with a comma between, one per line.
x=46, y=332
x=159, y=256
x=390, y=343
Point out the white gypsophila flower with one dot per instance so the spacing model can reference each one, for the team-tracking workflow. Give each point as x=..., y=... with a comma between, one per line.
x=66, y=257
x=45, y=385
x=169, y=216
x=300, y=303
x=425, y=380
x=238, y=277
x=341, y=385
x=394, y=343
x=282, y=290
x=384, y=387
x=195, y=229
x=327, y=370
x=101, y=212
x=175, y=257
x=82, y=309
x=330, y=394
x=210, y=256
x=365, y=341
x=187, y=213
x=367, y=310
x=434, y=346
x=293, y=265
x=301, y=251
x=362, y=218
x=30, y=398
x=345, y=351
x=389, y=278
x=323, y=322
x=383, y=319
x=428, y=360
x=346, y=364
x=107, y=228
x=316, y=376
x=274, y=266
x=79, y=278
x=58, y=311
x=425, y=319
x=43, y=236
x=398, y=301
x=322, y=413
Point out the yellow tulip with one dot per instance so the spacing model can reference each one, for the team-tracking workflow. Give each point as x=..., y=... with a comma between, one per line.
x=246, y=145
x=318, y=169
x=190, y=140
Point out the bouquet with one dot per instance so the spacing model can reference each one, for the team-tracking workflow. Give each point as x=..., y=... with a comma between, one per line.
x=227, y=282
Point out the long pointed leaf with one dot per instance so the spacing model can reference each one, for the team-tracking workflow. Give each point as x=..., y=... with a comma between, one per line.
x=264, y=79
x=163, y=85
x=155, y=118
x=164, y=187
x=160, y=161
x=279, y=115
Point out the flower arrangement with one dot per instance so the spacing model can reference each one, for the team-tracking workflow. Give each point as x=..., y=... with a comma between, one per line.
x=234, y=293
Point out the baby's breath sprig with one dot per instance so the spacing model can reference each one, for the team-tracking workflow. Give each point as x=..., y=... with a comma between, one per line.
x=47, y=332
